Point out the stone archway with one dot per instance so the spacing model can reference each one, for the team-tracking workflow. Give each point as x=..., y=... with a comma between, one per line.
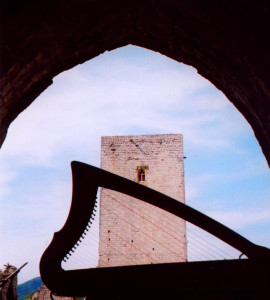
x=224, y=40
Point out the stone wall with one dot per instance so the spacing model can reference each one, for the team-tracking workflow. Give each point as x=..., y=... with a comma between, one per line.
x=131, y=231
x=9, y=289
x=44, y=294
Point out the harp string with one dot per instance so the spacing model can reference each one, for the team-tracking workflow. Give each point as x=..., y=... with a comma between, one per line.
x=199, y=246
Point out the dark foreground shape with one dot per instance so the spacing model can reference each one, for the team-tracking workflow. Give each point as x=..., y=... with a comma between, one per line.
x=250, y=277
x=226, y=41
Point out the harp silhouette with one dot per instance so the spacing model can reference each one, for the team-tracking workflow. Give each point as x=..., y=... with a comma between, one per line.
x=108, y=281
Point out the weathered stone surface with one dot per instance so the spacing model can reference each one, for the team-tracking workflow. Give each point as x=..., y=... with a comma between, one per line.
x=8, y=290
x=131, y=231
x=45, y=294
x=226, y=41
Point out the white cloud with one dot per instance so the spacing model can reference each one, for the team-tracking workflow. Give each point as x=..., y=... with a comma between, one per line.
x=241, y=219
x=7, y=176
x=28, y=224
x=194, y=186
x=108, y=95
x=191, y=193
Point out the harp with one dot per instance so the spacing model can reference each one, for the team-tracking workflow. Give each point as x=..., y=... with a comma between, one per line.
x=101, y=282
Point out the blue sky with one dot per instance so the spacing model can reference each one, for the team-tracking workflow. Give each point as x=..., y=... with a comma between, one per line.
x=126, y=91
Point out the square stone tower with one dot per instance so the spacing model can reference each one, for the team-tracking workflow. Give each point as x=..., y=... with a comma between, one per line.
x=131, y=231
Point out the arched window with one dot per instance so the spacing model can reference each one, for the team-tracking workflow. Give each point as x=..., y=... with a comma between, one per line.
x=141, y=175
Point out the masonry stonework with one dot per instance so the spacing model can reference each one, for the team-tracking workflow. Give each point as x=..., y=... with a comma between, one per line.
x=131, y=231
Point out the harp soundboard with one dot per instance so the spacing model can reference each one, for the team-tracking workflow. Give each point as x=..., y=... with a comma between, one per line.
x=100, y=282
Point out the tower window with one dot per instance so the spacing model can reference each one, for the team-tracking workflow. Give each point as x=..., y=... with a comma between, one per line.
x=141, y=173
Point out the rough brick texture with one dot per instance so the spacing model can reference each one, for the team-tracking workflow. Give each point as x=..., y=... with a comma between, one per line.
x=45, y=294
x=131, y=231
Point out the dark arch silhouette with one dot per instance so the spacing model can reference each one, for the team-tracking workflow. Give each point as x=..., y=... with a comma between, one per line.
x=226, y=41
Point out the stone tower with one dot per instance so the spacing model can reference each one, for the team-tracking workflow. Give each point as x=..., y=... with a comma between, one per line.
x=131, y=231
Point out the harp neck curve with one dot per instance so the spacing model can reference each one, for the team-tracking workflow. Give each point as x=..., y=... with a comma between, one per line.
x=86, y=180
